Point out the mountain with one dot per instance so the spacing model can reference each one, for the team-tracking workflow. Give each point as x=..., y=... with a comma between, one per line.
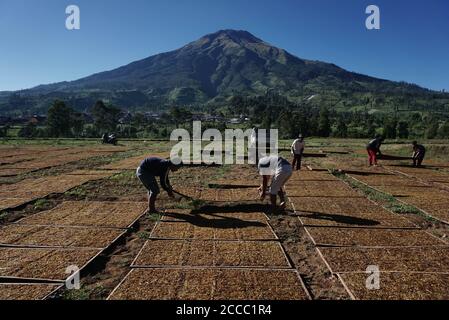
x=210, y=70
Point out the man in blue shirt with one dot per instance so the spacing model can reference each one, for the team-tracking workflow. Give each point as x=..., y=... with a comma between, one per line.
x=153, y=167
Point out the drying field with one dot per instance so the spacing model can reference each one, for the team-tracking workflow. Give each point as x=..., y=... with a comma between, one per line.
x=36, y=264
x=210, y=284
x=133, y=163
x=201, y=265
x=26, y=291
x=419, y=187
x=399, y=286
x=215, y=253
x=349, y=220
x=20, y=193
x=98, y=214
x=82, y=206
x=320, y=189
x=32, y=160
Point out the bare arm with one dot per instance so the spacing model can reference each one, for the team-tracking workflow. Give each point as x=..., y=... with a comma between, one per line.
x=165, y=183
x=263, y=187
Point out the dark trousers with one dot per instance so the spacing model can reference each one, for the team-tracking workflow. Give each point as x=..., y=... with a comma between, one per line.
x=418, y=159
x=297, y=160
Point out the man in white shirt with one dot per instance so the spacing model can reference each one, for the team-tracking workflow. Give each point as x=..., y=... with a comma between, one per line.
x=297, y=151
x=279, y=170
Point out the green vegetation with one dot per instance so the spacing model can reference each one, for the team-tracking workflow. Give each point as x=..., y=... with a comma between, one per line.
x=83, y=293
x=154, y=216
x=144, y=235
x=78, y=192
x=3, y=216
x=41, y=204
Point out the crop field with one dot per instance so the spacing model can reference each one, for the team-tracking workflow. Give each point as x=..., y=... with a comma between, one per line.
x=132, y=163
x=206, y=253
x=417, y=259
x=18, y=291
x=346, y=212
x=312, y=175
x=320, y=189
x=11, y=172
x=89, y=214
x=42, y=263
x=397, y=286
x=423, y=192
x=342, y=237
x=55, y=236
x=210, y=284
x=46, y=159
x=81, y=205
x=385, y=180
x=215, y=230
x=31, y=189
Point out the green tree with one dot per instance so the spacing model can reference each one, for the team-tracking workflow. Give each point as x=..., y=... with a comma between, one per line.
x=389, y=128
x=342, y=129
x=432, y=128
x=59, y=120
x=369, y=128
x=77, y=124
x=180, y=115
x=29, y=131
x=402, y=130
x=267, y=120
x=139, y=121
x=443, y=132
x=105, y=117
x=324, y=123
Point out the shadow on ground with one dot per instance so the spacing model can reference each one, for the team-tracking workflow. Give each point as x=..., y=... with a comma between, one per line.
x=339, y=218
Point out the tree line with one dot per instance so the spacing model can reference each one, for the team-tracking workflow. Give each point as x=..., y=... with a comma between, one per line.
x=270, y=111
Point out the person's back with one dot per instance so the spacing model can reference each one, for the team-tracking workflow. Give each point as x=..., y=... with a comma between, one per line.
x=155, y=166
x=374, y=144
x=373, y=149
x=298, y=146
x=280, y=171
x=271, y=165
x=419, y=148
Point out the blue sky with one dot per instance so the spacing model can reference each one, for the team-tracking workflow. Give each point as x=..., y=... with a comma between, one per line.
x=36, y=48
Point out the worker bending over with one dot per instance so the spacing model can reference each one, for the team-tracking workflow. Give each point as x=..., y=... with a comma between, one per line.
x=153, y=167
x=279, y=171
x=419, y=152
x=373, y=149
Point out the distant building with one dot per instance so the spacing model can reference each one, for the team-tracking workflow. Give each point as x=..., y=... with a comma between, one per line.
x=152, y=116
x=239, y=120
x=125, y=118
x=37, y=120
